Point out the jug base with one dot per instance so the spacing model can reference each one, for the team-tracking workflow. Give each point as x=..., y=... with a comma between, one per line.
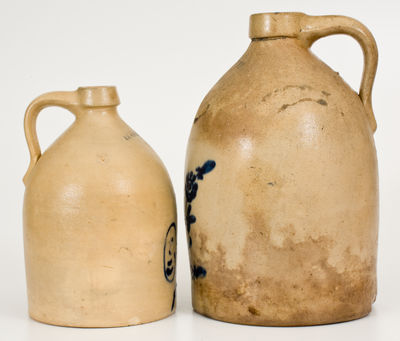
x=98, y=324
x=275, y=323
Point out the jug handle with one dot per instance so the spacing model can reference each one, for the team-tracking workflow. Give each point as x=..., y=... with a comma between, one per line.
x=64, y=99
x=316, y=27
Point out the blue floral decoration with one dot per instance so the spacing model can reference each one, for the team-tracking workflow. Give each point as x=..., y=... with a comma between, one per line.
x=191, y=188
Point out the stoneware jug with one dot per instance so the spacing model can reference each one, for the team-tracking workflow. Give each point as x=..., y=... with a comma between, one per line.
x=99, y=219
x=281, y=182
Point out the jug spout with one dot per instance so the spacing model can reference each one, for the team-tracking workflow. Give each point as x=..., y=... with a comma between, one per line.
x=275, y=25
x=98, y=96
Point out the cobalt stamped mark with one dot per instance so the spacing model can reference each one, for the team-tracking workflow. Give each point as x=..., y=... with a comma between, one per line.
x=170, y=253
x=191, y=187
x=170, y=258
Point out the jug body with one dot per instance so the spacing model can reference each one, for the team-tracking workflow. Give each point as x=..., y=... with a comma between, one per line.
x=282, y=191
x=99, y=216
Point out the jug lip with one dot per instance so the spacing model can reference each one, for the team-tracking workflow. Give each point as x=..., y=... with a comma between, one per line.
x=275, y=24
x=98, y=96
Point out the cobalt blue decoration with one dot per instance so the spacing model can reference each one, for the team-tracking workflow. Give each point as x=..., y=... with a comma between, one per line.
x=170, y=253
x=191, y=188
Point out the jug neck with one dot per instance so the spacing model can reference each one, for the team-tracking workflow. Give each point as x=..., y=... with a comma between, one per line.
x=97, y=111
x=275, y=25
x=267, y=28
x=98, y=96
x=96, y=101
x=273, y=46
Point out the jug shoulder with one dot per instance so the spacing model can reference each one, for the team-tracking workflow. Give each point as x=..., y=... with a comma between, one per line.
x=261, y=90
x=115, y=163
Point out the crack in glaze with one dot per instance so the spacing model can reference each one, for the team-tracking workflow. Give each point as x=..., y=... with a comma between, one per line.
x=307, y=99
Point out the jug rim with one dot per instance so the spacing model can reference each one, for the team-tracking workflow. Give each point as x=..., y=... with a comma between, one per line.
x=275, y=24
x=98, y=96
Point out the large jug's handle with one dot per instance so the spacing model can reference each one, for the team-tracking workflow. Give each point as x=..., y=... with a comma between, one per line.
x=64, y=99
x=316, y=27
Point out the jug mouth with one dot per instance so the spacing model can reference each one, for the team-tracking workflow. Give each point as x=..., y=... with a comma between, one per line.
x=98, y=96
x=274, y=25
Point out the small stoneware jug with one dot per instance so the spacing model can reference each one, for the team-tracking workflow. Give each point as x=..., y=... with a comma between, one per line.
x=99, y=219
x=281, y=182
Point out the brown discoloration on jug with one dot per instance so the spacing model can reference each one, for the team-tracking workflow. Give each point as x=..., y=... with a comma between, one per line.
x=269, y=299
x=286, y=224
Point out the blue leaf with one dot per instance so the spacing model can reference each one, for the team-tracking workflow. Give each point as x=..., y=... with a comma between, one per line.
x=208, y=166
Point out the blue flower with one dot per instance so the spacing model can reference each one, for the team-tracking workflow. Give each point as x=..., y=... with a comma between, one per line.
x=191, y=187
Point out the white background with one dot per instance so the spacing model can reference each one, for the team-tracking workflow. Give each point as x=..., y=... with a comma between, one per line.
x=164, y=56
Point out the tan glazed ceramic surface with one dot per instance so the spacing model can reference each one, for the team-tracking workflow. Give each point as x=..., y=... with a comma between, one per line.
x=282, y=183
x=99, y=219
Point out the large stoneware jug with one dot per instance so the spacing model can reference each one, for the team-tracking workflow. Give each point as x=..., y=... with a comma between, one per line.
x=99, y=219
x=282, y=184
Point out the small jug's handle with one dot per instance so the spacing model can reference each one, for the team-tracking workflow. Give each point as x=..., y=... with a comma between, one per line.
x=316, y=27
x=64, y=99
